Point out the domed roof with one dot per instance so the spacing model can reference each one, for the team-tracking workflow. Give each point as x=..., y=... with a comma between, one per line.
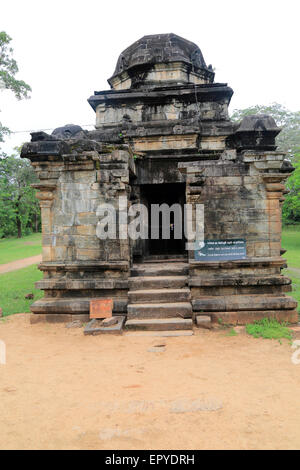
x=161, y=48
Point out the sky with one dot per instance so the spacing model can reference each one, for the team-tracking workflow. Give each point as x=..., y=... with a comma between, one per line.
x=66, y=50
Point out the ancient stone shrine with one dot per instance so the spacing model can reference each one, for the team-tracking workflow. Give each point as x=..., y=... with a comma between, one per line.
x=163, y=136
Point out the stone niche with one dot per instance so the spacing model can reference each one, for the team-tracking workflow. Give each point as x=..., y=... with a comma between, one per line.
x=163, y=134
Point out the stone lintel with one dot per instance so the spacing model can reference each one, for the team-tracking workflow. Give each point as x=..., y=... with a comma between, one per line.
x=45, y=186
x=191, y=167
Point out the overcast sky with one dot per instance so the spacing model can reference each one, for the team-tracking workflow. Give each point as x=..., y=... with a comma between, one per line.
x=67, y=49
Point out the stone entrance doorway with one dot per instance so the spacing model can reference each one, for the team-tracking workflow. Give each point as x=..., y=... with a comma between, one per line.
x=167, y=194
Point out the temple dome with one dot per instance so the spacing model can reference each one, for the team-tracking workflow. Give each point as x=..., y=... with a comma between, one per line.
x=144, y=54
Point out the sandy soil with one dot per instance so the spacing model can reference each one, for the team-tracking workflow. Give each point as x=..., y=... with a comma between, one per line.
x=60, y=389
x=20, y=263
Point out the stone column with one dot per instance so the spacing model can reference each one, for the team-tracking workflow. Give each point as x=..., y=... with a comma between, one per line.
x=266, y=168
x=195, y=179
x=45, y=195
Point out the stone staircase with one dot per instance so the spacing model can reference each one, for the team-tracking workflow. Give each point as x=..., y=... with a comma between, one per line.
x=159, y=298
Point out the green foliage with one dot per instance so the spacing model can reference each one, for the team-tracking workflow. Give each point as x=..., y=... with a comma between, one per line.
x=18, y=284
x=8, y=70
x=12, y=249
x=232, y=332
x=3, y=131
x=268, y=328
x=291, y=206
x=289, y=138
x=19, y=208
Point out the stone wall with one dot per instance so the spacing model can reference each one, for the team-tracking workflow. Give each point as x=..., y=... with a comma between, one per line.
x=76, y=176
x=242, y=196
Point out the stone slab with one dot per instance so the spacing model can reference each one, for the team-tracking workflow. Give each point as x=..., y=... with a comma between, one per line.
x=159, y=295
x=159, y=324
x=203, y=321
x=109, y=321
x=57, y=318
x=244, y=317
x=159, y=310
x=157, y=282
x=233, y=303
x=160, y=269
x=113, y=330
x=159, y=333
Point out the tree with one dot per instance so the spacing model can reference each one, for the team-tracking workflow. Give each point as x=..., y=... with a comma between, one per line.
x=291, y=205
x=19, y=208
x=8, y=71
x=289, y=138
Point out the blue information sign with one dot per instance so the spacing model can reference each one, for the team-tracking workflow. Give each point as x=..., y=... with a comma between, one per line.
x=218, y=250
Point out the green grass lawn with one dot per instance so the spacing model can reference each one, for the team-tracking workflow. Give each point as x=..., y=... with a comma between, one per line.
x=12, y=249
x=15, y=285
x=291, y=243
x=296, y=286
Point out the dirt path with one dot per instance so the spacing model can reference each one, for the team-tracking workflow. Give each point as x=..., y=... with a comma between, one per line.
x=60, y=389
x=19, y=264
x=294, y=270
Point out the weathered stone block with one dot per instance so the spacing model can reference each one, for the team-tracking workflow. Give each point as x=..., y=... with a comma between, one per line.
x=204, y=321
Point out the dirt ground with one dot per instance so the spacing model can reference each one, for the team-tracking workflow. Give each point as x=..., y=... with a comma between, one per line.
x=60, y=389
x=20, y=263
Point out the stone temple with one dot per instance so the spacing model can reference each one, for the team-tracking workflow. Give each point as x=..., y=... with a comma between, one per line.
x=163, y=135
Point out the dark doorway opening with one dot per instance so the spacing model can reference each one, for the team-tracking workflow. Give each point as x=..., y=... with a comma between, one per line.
x=167, y=193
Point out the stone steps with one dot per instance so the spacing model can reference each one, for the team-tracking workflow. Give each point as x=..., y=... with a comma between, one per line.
x=159, y=310
x=157, y=282
x=159, y=295
x=160, y=269
x=159, y=324
x=159, y=299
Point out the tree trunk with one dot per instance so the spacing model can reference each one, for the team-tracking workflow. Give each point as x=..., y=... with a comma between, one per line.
x=18, y=220
x=19, y=227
